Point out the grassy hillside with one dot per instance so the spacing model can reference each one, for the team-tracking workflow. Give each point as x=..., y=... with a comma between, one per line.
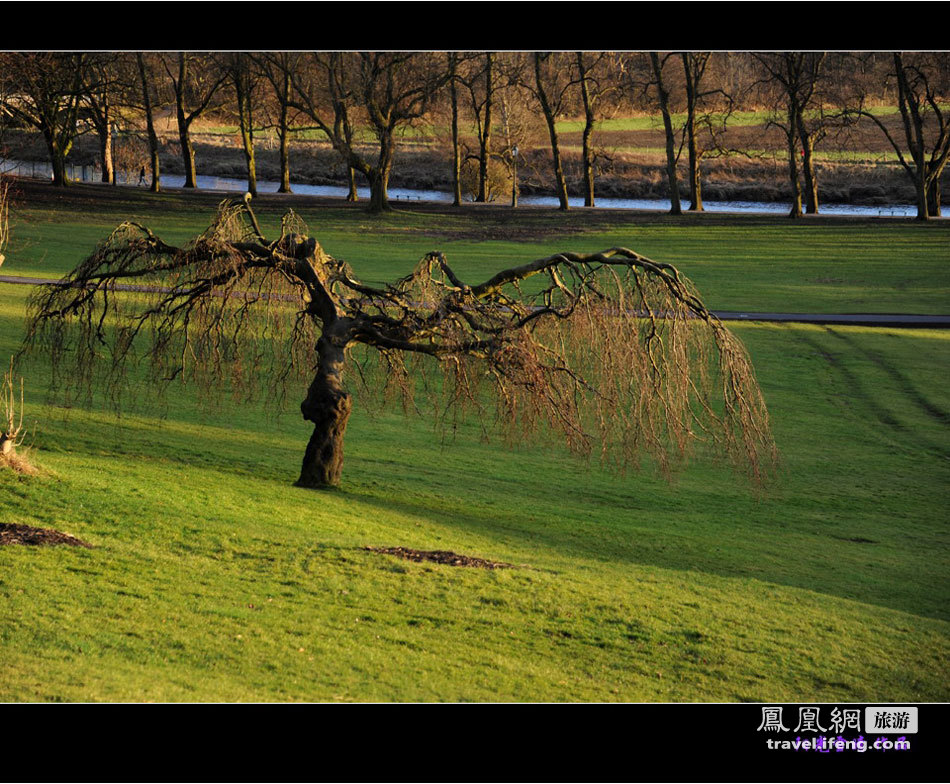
x=744, y=262
x=212, y=578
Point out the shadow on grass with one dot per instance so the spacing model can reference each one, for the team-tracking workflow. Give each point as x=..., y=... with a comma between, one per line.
x=706, y=524
x=531, y=506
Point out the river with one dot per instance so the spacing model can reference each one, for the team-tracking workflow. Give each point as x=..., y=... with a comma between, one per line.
x=40, y=170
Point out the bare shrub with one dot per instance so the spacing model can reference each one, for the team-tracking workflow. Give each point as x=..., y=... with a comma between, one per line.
x=4, y=216
x=497, y=186
x=12, y=430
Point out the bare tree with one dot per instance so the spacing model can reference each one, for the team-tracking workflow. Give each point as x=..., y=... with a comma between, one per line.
x=4, y=216
x=611, y=350
x=684, y=91
x=672, y=156
x=44, y=90
x=276, y=68
x=453, y=63
x=702, y=90
x=796, y=77
x=517, y=121
x=462, y=84
x=102, y=99
x=240, y=72
x=328, y=80
x=390, y=90
x=145, y=65
x=196, y=80
x=598, y=83
x=480, y=82
x=551, y=87
x=923, y=88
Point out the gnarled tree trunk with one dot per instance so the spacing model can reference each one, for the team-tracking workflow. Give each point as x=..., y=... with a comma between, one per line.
x=328, y=406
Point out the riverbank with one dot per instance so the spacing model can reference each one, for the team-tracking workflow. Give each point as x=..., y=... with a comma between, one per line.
x=871, y=181
x=778, y=272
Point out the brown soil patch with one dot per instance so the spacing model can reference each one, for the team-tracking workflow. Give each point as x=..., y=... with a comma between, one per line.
x=14, y=533
x=440, y=556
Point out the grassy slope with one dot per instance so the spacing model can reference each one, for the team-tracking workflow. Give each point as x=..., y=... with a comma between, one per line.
x=214, y=579
x=739, y=263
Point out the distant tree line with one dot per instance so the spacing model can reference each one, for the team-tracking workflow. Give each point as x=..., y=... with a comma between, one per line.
x=489, y=108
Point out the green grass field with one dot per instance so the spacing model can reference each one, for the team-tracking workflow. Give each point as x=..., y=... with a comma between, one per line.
x=212, y=578
x=745, y=262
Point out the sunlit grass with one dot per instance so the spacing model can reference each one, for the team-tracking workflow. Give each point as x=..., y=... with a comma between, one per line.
x=739, y=262
x=212, y=578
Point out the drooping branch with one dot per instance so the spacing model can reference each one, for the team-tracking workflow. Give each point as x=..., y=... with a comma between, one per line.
x=613, y=351
x=205, y=310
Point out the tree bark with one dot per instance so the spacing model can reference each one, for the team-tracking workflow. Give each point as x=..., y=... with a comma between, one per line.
x=933, y=198
x=283, y=132
x=184, y=124
x=57, y=162
x=551, y=120
x=105, y=154
x=243, y=87
x=379, y=190
x=6, y=445
x=587, y=151
x=456, y=158
x=695, y=181
x=808, y=170
x=328, y=406
x=150, y=126
x=187, y=152
x=101, y=118
x=675, y=206
x=247, y=138
x=485, y=141
x=378, y=175
x=792, y=134
x=692, y=78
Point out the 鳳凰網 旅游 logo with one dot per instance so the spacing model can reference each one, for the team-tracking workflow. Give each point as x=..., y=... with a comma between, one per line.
x=836, y=728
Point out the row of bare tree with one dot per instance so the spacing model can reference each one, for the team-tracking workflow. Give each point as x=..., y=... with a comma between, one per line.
x=365, y=102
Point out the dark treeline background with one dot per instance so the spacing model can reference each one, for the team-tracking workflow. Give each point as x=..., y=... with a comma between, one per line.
x=490, y=125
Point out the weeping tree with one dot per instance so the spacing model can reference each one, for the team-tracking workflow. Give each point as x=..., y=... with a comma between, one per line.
x=611, y=351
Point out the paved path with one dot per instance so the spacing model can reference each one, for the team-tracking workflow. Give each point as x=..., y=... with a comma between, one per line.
x=855, y=319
